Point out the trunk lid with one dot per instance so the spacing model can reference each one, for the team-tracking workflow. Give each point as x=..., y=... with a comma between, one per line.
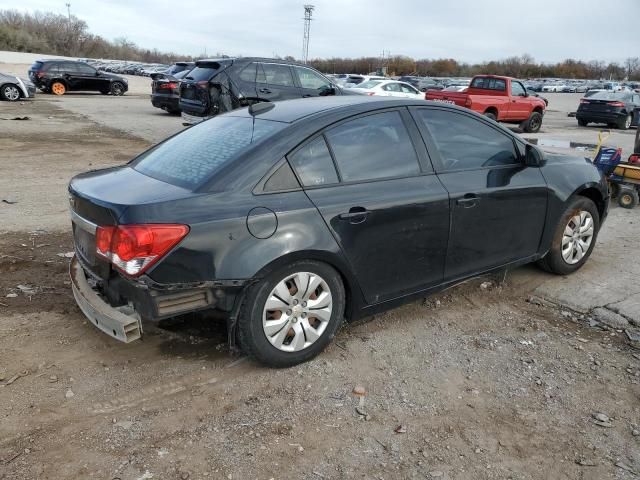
x=453, y=98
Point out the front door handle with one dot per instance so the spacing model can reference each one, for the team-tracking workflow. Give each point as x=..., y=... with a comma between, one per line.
x=264, y=90
x=355, y=215
x=470, y=200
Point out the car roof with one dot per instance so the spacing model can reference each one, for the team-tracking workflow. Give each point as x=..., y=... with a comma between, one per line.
x=290, y=111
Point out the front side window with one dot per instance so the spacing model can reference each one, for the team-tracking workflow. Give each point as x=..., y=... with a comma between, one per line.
x=274, y=74
x=373, y=147
x=310, y=79
x=517, y=90
x=467, y=143
x=190, y=158
x=314, y=165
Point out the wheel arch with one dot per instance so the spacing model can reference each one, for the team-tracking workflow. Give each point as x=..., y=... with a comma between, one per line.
x=538, y=109
x=492, y=110
x=2, y=85
x=353, y=295
x=595, y=195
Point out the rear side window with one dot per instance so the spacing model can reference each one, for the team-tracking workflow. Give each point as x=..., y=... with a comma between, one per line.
x=489, y=83
x=248, y=73
x=313, y=164
x=466, y=143
x=190, y=158
x=274, y=74
x=373, y=147
x=201, y=73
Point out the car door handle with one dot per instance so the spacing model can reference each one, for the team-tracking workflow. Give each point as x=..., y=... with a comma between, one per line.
x=355, y=215
x=264, y=90
x=468, y=201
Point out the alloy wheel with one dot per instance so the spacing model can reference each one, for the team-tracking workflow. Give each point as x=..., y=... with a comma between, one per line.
x=297, y=311
x=11, y=93
x=577, y=237
x=627, y=122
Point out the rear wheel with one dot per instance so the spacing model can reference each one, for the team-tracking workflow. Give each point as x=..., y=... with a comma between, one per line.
x=582, y=123
x=292, y=314
x=533, y=124
x=574, y=238
x=58, y=88
x=627, y=198
x=625, y=123
x=491, y=115
x=10, y=93
x=117, y=89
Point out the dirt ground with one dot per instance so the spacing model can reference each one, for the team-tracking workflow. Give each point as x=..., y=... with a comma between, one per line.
x=479, y=382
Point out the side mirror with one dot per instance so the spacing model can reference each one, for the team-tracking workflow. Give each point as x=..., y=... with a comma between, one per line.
x=532, y=156
x=326, y=90
x=97, y=73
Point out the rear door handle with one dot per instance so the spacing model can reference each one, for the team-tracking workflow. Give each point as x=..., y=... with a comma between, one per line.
x=264, y=90
x=470, y=200
x=355, y=215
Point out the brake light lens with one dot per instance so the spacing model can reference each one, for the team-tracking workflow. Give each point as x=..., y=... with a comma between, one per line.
x=371, y=93
x=582, y=100
x=170, y=85
x=132, y=249
x=203, y=83
x=615, y=104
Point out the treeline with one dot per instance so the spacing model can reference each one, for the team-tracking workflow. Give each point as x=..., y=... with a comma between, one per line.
x=53, y=34
x=521, y=67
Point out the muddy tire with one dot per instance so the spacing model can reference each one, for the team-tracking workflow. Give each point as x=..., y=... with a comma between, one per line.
x=574, y=239
x=533, y=124
x=58, y=88
x=292, y=314
x=628, y=198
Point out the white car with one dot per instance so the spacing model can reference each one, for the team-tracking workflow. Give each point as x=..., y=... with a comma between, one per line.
x=388, y=88
x=556, y=87
x=354, y=80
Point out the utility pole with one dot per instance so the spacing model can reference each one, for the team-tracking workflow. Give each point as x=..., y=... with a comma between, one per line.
x=68, y=11
x=308, y=11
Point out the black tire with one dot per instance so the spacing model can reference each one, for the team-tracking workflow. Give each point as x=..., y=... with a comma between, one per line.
x=491, y=115
x=582, y=123
x=625, y=123
x=553, y=262
x=116, y=89
x=628, y=198
x=252, y=337
x=533, y=124
x=10, y=93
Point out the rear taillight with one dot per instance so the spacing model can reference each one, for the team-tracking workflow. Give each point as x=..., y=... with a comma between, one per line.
x=134, y=248
x=583, y=100
x=203, y=83
x=168, y=86
x=371, y=93
x=615, y=104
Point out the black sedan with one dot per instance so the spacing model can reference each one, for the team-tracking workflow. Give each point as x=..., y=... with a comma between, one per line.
x=165, y=90
x=289, y=217
x=613, y=108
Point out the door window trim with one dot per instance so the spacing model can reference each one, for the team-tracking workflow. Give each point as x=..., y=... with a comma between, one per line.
x=425, y=164
x=434, y=153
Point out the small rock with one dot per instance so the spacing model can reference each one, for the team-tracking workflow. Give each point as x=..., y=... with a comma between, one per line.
x=477, y=450
x=436, y=474
x=12, y=295
x=635, y=432
x=359, y=391
x=69, y=394
x=184, y=475
x=401, y=429
x=26, y=450
x=53, y=379
x=486, y=285
x=361, y=411
x=610, y=318
x=601, y=417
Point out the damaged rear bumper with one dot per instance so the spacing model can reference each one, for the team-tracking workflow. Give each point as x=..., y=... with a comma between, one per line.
x=121, y=323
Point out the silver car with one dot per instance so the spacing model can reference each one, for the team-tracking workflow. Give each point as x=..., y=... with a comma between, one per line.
x=14, y=88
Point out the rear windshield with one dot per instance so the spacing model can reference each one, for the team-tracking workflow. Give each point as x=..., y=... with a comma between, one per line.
x=190, y=158
x=199, y=74
x=489, y=83
x=36, y=65
x=611, y=96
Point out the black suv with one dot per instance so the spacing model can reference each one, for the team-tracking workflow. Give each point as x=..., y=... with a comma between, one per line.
x=60, y=76
x=220, y=85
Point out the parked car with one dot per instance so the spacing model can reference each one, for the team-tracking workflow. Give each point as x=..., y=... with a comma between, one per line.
x=165, y=91
x=288, y=217
x=220, y=85
x=456, y=88
x=61, y=76
x=388, y=88
x=555, y=88
x=502, y=99
x=13, y=88
x=425, y=84
x=613, y=108
x=536, y=94
x=353, y=80
x=180, y=67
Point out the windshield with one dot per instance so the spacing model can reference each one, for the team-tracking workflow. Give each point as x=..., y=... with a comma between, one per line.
x=611, y=96
x=202, y=73
x=368, y=84
x=190, y=158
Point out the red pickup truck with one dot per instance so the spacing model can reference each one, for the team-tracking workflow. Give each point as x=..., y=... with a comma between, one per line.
x=503, y=99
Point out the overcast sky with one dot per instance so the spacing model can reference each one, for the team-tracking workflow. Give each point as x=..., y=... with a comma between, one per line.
x=467, y=30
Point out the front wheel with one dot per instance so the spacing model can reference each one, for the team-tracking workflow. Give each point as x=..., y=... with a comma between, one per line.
x=625, y=123
x=533, y=124
x=582, y=123
x=117, y=89
x=574, y=239
x=292, y=314
x=10, y=93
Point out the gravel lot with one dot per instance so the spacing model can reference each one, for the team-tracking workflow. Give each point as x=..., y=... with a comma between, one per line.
x=521, y=377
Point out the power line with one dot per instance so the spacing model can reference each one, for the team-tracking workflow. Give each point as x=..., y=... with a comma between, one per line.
x=308, y=11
